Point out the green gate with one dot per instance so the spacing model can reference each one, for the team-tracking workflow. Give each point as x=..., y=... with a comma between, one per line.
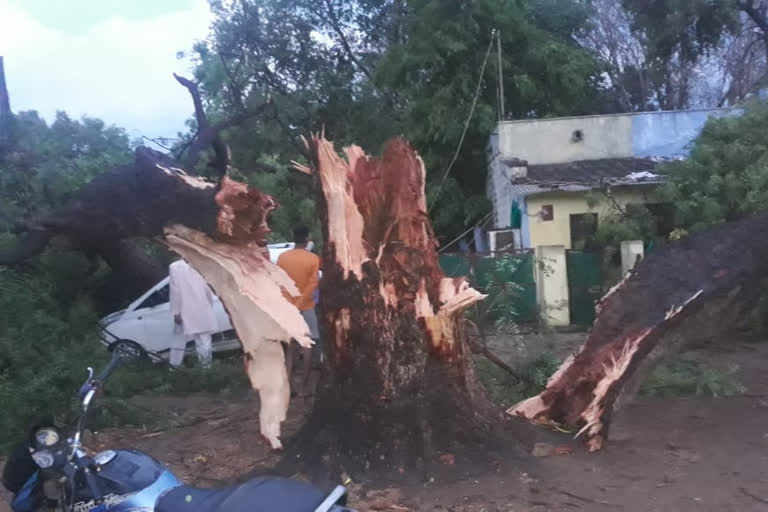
x=481, y=269
x=584, y=285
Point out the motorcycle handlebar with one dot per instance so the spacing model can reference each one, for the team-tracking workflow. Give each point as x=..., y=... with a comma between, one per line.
x=93, y=383
x=109, y=369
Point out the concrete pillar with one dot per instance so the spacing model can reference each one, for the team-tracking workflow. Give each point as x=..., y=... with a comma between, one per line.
x=552, y=285
x=632, y=251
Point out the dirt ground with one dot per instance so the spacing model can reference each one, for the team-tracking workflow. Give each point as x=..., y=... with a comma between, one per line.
x=680, y=454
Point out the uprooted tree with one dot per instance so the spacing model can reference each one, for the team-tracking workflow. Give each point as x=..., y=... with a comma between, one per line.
x=693, y=289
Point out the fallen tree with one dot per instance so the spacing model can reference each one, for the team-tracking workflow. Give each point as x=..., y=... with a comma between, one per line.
x=104, y=218
x=400, y=387
x=670, y=300
x=221, y=229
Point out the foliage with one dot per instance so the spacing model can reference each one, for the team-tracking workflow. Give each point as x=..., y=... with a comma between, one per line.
x=505, y=389
x=688, y=29
x=503, y=292
x=690, y=377
x=726, y=176
x=48, y=163
x=294, y=194
x=436, y=69
x=367, y=70
x=46, y=339
x=636, y=222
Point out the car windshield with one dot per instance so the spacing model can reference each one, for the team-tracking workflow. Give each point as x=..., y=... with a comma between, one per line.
x=160, y=296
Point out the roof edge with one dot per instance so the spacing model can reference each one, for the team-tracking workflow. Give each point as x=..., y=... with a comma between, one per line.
x=619, y=114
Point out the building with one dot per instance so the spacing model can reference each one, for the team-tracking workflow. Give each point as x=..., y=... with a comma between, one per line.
x=543, y=171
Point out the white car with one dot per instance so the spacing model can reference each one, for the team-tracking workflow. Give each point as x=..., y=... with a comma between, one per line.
x=148, y=320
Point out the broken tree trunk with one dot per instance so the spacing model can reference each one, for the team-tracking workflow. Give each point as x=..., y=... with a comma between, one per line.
x=639, y=321
x=400, y=386
x=100, y=227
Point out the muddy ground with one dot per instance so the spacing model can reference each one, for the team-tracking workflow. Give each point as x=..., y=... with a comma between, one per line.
x=677, y=454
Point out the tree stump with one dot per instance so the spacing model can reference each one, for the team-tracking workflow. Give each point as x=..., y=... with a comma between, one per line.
x=400, y=386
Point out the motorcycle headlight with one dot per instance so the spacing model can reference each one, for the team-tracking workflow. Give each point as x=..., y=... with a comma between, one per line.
x=104, y=458
x=44, y=459
x=46, y=437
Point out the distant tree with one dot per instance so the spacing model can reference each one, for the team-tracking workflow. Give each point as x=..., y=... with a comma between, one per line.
x=724, y=38
x=46, y=164
x=726, y=176
x=366, y=70
x=436, y=71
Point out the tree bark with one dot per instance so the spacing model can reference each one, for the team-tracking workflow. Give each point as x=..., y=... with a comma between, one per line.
x=641, y=320
x=400, y=386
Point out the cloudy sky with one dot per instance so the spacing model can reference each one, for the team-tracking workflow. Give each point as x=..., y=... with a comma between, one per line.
x=111, y=59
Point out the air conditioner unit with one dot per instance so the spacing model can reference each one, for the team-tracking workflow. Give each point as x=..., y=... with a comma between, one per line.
x=504, y=240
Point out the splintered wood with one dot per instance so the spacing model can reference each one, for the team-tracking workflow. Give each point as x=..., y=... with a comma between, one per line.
x=377, y=212
x=238, y=268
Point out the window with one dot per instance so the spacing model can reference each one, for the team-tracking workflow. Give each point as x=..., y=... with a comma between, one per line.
x=583, y=231
x=160, y=296
x=547, y=212
x=664, y=214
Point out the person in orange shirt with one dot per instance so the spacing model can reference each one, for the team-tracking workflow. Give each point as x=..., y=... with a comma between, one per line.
x=303, y=267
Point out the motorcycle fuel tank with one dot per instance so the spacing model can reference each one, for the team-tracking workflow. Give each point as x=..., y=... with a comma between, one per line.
x=131, y=480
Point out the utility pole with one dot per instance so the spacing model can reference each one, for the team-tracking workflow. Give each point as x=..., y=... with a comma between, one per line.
x=501, y=76
x=5, y=111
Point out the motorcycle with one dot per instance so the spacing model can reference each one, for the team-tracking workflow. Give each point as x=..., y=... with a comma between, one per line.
x=52, y=471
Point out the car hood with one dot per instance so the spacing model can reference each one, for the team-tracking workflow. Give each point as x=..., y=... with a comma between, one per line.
x=111, y=318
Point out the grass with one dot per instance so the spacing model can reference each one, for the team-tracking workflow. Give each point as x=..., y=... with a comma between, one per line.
x=48, y=339
x=686, y=377
x=505, y=389
x=677, y=377
x=118, y=407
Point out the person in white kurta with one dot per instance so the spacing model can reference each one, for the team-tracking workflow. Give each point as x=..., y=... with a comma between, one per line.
x=192, y=309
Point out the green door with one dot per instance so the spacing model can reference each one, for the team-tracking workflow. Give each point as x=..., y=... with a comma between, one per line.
x=584, y=285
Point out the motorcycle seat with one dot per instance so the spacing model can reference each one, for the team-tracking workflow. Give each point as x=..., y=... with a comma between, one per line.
x=263, y=494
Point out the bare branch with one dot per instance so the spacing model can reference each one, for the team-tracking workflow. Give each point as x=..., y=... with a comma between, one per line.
x=156, y=142
x=334, y=21
x=207, y=135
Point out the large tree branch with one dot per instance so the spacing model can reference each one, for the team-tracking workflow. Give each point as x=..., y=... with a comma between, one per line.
x=207, y=135
x=210, y=134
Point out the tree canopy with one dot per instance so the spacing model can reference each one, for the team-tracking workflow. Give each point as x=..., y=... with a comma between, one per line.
x=726, y=176
x=368, y=70
x=45, y=163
